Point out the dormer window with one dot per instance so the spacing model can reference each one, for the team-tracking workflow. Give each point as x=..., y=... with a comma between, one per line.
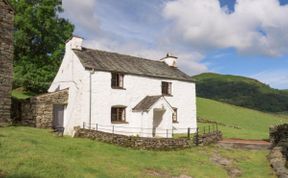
x=167, y=88
x=117, y=80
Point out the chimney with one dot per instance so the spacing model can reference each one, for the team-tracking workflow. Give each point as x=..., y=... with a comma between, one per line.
x=170, y=60
x=75, y=42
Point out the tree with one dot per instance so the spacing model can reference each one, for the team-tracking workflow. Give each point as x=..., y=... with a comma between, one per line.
x=39, y=39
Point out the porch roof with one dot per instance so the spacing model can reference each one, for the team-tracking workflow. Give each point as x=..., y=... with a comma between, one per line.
x=146, y=103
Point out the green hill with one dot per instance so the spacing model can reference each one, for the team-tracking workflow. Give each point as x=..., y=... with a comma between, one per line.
x=237, y=122
x=241, y=91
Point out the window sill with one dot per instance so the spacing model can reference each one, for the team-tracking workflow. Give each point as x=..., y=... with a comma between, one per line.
x=119, y=122
x=119, y=88
x=175, y=122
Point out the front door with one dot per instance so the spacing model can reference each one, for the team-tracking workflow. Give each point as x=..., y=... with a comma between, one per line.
x=157, y=119
x=58, y=115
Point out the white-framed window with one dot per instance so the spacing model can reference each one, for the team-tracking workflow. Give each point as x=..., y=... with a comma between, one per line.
x=117, y=80
x=166, y=88
x=118, y=114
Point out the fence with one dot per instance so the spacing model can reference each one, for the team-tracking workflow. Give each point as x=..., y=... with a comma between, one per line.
x=198, y=134
x=207, y=134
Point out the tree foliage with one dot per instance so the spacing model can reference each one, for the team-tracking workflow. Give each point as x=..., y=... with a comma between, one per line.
x=39, y=39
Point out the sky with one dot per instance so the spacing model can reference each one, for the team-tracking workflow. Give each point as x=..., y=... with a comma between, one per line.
x=238, y=37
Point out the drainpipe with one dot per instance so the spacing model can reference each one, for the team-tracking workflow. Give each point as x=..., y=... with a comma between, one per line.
x=90, y=97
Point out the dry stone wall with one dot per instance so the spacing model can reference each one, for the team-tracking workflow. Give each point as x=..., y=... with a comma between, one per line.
x=6, y=60
x=277, y=162
x=141, y=142
x=38, y=111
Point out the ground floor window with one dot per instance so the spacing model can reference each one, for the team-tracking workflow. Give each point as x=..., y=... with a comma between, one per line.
x=174, y=115
x=118, y=114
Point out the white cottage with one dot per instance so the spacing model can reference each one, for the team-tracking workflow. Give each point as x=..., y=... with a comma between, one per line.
x=123, y=94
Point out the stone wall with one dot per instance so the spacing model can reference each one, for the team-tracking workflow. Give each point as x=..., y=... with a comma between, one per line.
x=277, y=162
x=6, y=60
x=278, y=157
x=138, y=142
x=209, y=138
x=38, y=111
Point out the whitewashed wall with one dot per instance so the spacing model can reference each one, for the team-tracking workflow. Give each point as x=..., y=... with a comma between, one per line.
x=136, y=88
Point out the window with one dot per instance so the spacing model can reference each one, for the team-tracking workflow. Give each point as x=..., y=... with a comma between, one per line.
x=174, y=116
x=118, y=114
x=117, y=80
x=166, y=88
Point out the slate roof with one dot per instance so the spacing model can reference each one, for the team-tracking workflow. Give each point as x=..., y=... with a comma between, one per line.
x=146, y=103
x=114, y=62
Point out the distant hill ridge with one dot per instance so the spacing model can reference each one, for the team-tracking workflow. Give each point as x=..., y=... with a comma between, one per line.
x=241, y=91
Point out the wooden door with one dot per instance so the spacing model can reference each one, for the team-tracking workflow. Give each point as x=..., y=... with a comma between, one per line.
x=58, y=115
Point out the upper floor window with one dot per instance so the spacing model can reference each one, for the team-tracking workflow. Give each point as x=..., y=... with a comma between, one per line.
x=118, y=114
x=166, y=88
x=117, y=80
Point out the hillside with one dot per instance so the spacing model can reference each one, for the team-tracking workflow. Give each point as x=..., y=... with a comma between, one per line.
x=241, y=91
x=237, y=122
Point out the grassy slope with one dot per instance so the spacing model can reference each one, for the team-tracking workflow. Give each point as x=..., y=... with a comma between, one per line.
x=241, y=91
x=30, y=152
x=253, y=124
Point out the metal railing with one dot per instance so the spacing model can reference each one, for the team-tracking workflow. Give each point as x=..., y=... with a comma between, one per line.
x=141, y=131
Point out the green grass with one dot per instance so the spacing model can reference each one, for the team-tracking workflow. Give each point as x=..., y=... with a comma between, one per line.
x=19, y=93
x=31, y=152
x=253, y=124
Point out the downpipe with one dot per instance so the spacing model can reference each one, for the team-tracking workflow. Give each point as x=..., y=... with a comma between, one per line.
x=90, y=97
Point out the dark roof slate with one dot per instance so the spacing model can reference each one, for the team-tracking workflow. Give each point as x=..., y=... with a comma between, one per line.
x=114, y=62
x=146, y=103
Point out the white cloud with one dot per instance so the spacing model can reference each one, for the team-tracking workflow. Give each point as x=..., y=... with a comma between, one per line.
x=255, y=27
x=112, y=31
x=275, y=78
x=82, y=14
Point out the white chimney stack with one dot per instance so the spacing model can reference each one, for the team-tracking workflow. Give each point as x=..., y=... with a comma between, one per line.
x=170, y=60
x=75, y=42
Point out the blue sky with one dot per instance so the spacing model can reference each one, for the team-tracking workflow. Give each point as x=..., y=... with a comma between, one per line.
x=243, y=37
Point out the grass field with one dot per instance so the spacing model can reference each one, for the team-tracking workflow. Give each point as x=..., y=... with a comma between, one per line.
x=29, y=152
x=251, y=124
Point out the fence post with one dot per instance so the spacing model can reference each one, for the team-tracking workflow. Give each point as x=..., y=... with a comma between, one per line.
x=197, y=137
x=166, y=133
x=204, y=129
x=188, y=132
x=96, y=127
x=83, y=125
x=209, y=128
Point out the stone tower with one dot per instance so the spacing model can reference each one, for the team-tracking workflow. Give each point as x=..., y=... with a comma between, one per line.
x=6, y=59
